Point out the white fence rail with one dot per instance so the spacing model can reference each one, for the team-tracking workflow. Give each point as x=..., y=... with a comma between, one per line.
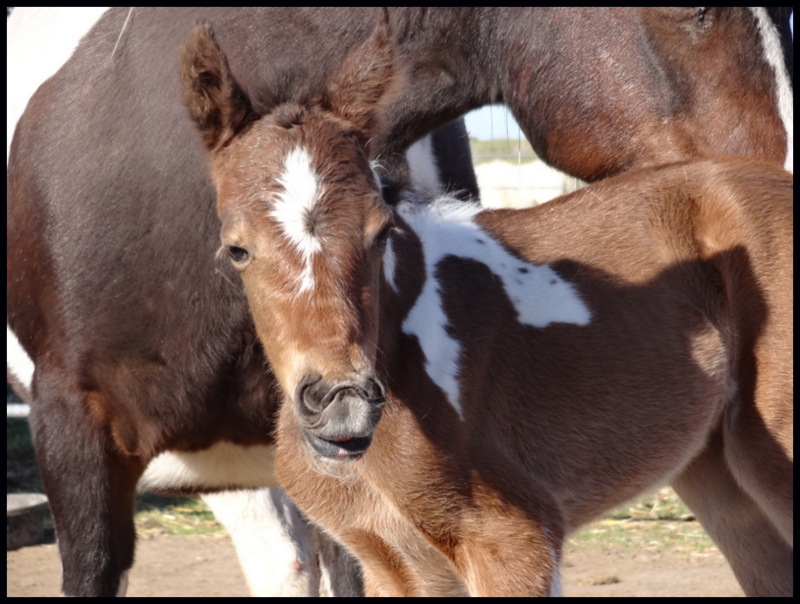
x=507, y=183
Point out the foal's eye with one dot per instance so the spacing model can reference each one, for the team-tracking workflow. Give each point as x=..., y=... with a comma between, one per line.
x=238, y=255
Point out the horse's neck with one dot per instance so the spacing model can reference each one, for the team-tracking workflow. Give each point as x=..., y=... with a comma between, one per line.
x=439, y=60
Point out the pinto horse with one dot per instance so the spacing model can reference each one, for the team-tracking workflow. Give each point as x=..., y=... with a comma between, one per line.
x=137, y=350
x=463, y=388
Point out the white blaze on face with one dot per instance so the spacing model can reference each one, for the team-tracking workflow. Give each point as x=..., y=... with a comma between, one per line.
x=294, y=207
x=773, y=55
x=539, y=294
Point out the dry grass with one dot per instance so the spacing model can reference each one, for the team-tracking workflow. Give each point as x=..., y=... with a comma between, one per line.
x=158, y=515
x=655, y=522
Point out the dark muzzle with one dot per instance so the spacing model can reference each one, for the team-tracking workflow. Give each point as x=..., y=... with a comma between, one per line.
x=338, y=419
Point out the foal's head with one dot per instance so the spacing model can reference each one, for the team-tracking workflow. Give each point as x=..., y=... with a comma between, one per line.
x=304, y=223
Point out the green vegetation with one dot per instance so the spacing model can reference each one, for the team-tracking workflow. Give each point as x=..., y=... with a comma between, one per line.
x=655, y=522
x=662, y=504
x=158, y=514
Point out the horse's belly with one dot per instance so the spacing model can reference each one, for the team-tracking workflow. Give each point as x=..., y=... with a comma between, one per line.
x=221, y=466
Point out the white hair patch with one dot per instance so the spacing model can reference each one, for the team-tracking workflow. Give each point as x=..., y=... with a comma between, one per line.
x=773, y=55
x=224, y=465
x=294, y=206
x=390, y=264
x=423, y=169
x=539, y=294
x=17, y=360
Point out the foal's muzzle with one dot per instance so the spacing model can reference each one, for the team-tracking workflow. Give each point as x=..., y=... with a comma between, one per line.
x=338, y=419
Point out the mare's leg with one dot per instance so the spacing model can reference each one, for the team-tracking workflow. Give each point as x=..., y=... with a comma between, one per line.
x=91, y=487
x=760, y=558
x=272, y=541
x=340, y=573
x=454, y=160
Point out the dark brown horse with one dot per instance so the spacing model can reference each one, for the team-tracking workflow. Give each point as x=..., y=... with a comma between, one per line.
x=138, y=348
x=464, y=388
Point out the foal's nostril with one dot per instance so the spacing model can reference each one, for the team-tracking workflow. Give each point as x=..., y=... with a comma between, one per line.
x=314, y=395
x=339, y=418
x=310, y=392
x=370, y=391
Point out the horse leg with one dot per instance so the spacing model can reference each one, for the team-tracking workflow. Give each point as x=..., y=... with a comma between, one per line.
x=760, y=558
x=759, y=441
x=515, y=561
x=764, y=472
x=281, y=553
x=386, y=573
x=91, y=486
x=272, y=541
x=758, y=427
x=340, y=573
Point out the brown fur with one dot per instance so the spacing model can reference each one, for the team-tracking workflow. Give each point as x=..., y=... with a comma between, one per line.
x=207, y=86
x=683, y=373
x=113, y=288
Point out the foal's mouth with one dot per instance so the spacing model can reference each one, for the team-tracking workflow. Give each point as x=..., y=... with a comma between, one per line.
x=346, y=448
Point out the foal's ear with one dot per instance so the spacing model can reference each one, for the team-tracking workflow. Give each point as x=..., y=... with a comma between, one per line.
x=216, y=102
x=357, y=87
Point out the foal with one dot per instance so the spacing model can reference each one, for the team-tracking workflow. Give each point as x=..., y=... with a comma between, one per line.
x=464, y=388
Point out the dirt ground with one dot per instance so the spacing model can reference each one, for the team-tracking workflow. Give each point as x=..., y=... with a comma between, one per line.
x=172, y=565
